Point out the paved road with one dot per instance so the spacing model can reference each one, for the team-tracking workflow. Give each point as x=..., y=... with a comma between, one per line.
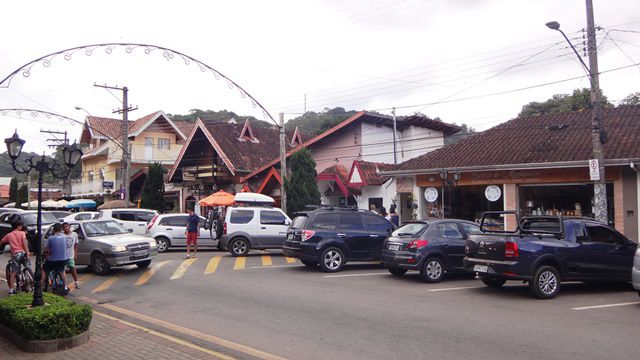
x=280, y=307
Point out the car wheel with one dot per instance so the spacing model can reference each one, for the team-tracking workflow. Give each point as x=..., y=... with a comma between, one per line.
x=432, y=270
x=163, y=244
x=332, y=260
x=239, y=247
x=143, y=264
x=100, y=265
x=493, y=282
x=545, y=283
x=397, y=271
x=309, y=264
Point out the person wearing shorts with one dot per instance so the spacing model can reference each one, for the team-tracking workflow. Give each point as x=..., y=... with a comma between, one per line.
x=71, y=238
x=192, y=233
x=56, y=247
x=17, y=240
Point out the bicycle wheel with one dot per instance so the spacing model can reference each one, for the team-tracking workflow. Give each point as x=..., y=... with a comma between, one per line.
x=59, y=285
x=27, y=280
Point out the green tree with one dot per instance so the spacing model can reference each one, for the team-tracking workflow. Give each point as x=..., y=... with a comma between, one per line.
x=23, y=195
x=465, y=132
x=301, y=187
x=632, y=99
x=13, y=189
x=153, y=189
x=580, y=99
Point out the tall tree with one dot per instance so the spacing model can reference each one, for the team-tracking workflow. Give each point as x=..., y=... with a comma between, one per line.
x=580, y=99
x=301, y=187
x=23, y=195
x=13, y=189
x=153, y=189
x=632, y=99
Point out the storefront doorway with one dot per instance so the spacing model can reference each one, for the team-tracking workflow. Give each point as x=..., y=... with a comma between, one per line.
x=469, y=202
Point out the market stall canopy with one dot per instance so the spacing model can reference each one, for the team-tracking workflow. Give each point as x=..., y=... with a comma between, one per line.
x=10, y=205
x=220, y=198
x=81, y=204
x=115, y=204
x=62, y=203
x=32, y=204
x=50, y=204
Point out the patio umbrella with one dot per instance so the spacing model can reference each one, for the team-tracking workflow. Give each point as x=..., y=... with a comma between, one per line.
x=33, y=204
x=49, y=204
x=220, y=198
x=10, y=205
x=61, y=204
x=115, y=204
x=81, y=204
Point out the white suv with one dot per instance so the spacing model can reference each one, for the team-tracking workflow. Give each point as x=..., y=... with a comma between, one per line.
x=251, y=227
x=134, y=220
x=169, y=231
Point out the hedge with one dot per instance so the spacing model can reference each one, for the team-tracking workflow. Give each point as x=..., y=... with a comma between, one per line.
x=58, y=318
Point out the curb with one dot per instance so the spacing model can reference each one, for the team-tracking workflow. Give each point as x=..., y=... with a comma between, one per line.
x=43, y=346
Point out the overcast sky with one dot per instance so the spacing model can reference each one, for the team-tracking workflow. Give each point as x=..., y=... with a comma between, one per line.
x=459, y=60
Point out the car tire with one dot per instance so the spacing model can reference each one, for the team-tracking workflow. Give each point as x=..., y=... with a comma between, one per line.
x=493, y=282
x=309, y=264
x=396, y=271
x=163, y=244
x=331, y=260
x=143, y=264
x=545, y=283
x=99, y=265
x=239, y=247
x=432, y=270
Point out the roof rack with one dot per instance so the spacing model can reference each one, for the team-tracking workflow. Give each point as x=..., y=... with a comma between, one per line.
x=332, y=207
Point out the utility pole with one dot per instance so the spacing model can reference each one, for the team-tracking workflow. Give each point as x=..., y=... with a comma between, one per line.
x=597, y=133
x=283, y=164
x=126, y=155
x=56, y=142
x=395, y=157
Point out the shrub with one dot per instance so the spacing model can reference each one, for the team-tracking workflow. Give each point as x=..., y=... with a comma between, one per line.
x=58, y=318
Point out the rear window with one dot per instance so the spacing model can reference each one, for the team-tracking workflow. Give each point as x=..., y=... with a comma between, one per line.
x=144, y=216
x=325, y=222
x=299, y=222
x=241, y=216
x=411, y=229
x=351, y=222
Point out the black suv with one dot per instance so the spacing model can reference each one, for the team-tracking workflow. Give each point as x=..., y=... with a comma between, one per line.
x=332, y=236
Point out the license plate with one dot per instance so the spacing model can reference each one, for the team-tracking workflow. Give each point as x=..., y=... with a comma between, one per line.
x=290, y=236
x=140, y=253
x=481, y=268
x=394, y=247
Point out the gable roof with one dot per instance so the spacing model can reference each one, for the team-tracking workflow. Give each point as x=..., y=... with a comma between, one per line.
x=338, y=174
x=296, y=139
x=103, y=128
x=365, y=173
x=536, y=141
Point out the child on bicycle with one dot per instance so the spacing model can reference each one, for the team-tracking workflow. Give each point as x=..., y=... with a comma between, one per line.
x=17, y=240
x=56, y=247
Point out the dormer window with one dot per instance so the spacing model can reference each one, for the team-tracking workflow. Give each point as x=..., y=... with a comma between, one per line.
x=247, y=133
x=296, y=140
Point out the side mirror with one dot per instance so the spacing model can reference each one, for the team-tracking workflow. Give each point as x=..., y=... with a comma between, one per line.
x=206, y=225
x=287, y=222
x=130, y=230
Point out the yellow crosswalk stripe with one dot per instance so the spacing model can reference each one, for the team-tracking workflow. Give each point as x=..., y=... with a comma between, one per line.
x=148, y=274
x=290, y=260
x=240, y=263
x=107, y=283
x=182, y=269
x=213, y=265
x=266, y=260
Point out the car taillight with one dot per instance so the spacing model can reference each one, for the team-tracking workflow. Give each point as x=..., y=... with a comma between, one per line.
x=224, y=229
x=307, y=234
x=417, y=244
x=510, y=249
x=152, y=222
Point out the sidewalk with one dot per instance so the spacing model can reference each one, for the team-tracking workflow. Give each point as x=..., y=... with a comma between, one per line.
x=115, y=339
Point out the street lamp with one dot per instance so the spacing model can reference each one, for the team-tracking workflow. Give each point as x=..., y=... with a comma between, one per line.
x=449, y=183
x=71, y=155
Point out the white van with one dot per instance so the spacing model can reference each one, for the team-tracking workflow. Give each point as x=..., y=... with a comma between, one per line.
x=133, y=219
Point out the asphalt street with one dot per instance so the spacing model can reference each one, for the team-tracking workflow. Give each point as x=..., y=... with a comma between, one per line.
x=269, y=303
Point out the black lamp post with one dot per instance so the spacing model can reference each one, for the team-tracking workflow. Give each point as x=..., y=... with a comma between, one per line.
x=71, y=155
x=449, y=183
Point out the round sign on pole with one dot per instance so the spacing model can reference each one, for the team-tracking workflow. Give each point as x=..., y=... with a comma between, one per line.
x=431, y=194
x=492, y=193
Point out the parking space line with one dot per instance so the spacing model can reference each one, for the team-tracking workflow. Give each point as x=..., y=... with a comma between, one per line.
x=150, y=272
x=182, y=268
x=107, y=283
x=605, y=306
x=354, y=275
x=272, y=267
x=457, y=288
x=266, y=260
x=240, y=263
x=213, y=265
x=290, y=260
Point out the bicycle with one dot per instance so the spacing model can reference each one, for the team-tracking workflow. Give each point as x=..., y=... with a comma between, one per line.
x=24, y=275
x=54, y=280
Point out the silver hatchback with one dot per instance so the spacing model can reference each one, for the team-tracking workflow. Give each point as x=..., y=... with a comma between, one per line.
x=169, y=231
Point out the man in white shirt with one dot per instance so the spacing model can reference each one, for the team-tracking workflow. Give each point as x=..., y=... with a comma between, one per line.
x=71, y=238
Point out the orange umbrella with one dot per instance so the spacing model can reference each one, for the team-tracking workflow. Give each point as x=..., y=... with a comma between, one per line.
x=220, y=198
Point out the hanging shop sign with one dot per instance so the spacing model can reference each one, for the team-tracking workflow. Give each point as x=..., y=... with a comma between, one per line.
x=431, y=194
x=492, y=193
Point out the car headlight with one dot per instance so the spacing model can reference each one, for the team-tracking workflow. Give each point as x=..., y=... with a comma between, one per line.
x=153, y=243
x=119, y=248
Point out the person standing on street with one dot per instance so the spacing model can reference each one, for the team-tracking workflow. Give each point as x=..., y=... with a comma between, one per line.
x=17, y=241
x=192, y=233
x=393, y=216
x=71, y=238
x=56, y=247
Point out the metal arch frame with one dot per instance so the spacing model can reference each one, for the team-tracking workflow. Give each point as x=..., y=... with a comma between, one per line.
x=167, y=53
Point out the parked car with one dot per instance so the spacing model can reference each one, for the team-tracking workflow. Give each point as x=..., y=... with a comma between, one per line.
x=331, y=237
x=5, y=210
x=29, y=218
x=132, y=219
x=253, y=227
x=635, y=271
x=546, y=250
x=105, y=244
x=433, y=247
x=169, y=231
x=80, y=216
x=60, y=214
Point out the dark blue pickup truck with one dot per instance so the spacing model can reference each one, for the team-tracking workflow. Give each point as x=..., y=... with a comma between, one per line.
x=546, y=250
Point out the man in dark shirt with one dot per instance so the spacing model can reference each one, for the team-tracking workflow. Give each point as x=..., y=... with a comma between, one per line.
x=192, y=233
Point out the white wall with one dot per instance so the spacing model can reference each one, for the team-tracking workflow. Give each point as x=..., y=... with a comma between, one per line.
x=386, y=191
x=377, y=143
x=416, y=141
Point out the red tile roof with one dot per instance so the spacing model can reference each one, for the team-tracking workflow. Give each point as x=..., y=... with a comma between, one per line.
x=369, y=173
x=101, y=127
x=339, y=174
x=562, y=137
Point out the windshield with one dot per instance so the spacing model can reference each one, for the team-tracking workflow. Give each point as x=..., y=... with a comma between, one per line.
x=103, y=228
x=411, y=229
x=30, y=219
